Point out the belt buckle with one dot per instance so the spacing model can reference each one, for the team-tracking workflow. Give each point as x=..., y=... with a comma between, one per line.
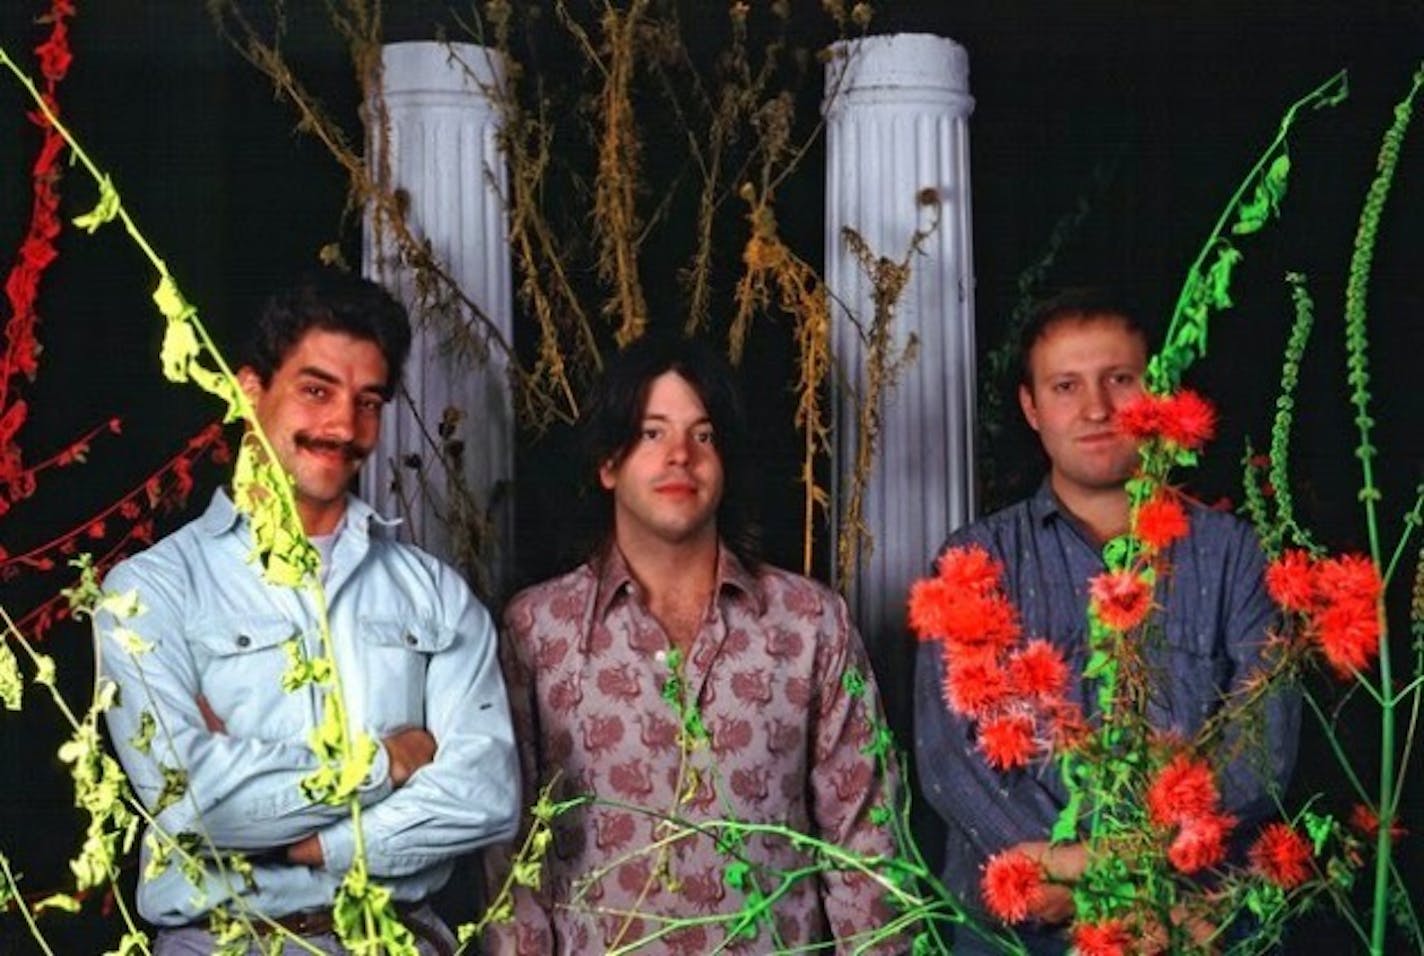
x=309, y=922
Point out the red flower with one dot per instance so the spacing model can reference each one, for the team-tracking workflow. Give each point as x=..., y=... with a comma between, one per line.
x=1183, y=790
x=1187, y=419
x=1350, y=577
x=964, y=602
x=1365, y=820
x=1349, y=635
x=1007, y=742
x=1290, y=579
x=1038, y=670
x=974, y=688
x=1011, y=885
x=1121, y=599
x=1160, y=521
x=1201, y=842
x=1108, y=938
x=1282, y=856
x=1140, y=418
x=969, y=569
x=940, y=611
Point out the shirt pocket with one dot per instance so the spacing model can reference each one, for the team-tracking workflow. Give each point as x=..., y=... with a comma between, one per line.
x=241, y=661
x=1188, y=686
x=397, y=654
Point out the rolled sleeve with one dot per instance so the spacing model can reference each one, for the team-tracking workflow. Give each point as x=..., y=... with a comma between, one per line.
x=468, y=795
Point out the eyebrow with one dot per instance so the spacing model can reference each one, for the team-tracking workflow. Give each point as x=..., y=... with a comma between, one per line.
x=322, y=375
x=654, y=417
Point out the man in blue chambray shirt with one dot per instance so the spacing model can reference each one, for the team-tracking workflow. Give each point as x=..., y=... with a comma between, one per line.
x=1084, y=357
x=415, y=652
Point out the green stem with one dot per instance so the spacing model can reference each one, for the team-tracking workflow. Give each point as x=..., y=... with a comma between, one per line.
x=1357, y=363
x=1340, y=756
x=20, y=905
x=1412, y=519
x=1326, y=93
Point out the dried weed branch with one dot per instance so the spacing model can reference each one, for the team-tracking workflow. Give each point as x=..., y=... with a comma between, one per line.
x=462, y=323
x=774, y=272
x=884, y=361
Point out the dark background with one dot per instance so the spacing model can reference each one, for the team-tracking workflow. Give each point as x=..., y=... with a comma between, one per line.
x=1148, y=112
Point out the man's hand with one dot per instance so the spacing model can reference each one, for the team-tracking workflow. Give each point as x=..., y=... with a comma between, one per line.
x=409, y=750
x=306, y=852
x=1063, y=865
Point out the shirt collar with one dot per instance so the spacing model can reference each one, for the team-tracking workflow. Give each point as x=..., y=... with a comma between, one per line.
x=1044, y=504
x=222, y=515
x=615, y=578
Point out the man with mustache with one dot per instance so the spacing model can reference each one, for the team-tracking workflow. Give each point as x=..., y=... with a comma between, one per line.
x=1084, y=356
x=679, y=681
x=214, y=744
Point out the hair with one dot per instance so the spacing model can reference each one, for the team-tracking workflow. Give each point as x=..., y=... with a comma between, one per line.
x=614, y=421
x=331, y=300
x=1073, y=305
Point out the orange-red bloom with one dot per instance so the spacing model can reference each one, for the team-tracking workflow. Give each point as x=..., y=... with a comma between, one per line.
x=1160, y=521
x=1187, y=419
x=1120, y=598
x=1350, y=577
x=1281, y=855
x=1007, y=742
x=969, y=570
x=1011, y=885
x=1108, y=938
x=1038, y=670
x=1340, y=598
x=972, y=688
x=1184, y=789
x=964, y=602
x=1349, y=635
x=1365, y=820
x=1201, y=842
x=1141, y=417
x=1290, y=579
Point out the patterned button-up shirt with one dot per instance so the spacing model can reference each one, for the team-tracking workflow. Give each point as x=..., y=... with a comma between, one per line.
x=588, y=665
x=1216, y=615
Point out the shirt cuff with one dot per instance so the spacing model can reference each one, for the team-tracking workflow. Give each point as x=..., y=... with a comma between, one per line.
x=338, y=847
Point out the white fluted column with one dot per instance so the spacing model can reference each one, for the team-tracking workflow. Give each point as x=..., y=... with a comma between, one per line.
x=444, y=157
x=897, y=110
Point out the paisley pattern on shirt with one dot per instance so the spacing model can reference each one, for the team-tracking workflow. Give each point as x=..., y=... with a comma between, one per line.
x=586, y=665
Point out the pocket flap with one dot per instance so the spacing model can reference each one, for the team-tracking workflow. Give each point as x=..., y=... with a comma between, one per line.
x=243, y=635
x=423, y=637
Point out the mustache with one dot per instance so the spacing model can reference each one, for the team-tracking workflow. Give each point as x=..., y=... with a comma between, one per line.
x=350, y=450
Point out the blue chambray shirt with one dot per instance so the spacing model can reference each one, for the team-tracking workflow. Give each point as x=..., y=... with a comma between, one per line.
x=1217, y=614
x=414, y=649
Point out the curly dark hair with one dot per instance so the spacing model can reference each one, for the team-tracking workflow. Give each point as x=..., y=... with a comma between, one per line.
x=334, y=301
x=614, y=422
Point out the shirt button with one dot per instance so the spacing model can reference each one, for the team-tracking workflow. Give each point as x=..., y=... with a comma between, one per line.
x=243, y=640
x=410, y=639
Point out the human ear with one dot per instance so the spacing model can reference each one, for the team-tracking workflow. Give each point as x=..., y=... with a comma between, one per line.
x=1030, y=411
x=250, y=382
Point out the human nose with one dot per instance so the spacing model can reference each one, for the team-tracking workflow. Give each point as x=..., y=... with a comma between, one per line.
x=679, y=448
x=1097, y=404
x=340, y=423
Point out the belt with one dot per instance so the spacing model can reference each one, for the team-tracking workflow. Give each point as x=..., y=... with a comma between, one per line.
x=321, y=922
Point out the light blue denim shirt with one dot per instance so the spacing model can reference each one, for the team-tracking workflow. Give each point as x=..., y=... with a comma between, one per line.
x=414, y=649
